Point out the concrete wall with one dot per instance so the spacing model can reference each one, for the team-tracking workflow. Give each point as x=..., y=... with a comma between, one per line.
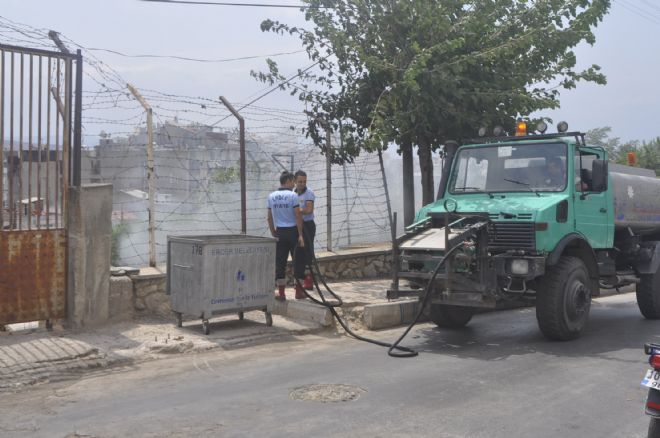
x=90, y=229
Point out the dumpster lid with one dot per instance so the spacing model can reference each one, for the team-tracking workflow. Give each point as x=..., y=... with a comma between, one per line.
x=220, y=238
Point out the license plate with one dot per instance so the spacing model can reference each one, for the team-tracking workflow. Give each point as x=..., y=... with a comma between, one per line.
x=651, y=379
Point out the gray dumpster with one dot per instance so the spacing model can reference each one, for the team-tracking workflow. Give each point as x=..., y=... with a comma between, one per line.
x=211, y=275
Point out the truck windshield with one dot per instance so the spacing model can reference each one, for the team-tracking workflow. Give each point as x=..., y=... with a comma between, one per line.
x=537, y=167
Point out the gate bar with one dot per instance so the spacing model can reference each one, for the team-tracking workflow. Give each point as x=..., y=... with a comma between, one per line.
x=2, y=136
x=30, y=114
x=20, y=144
x=10, y=160
x=39, y=148
x=41, y=52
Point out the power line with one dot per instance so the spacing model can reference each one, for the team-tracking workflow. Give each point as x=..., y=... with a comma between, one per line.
x=267, y=92
x=639, y=12
x=258, y=5
x=183, y=58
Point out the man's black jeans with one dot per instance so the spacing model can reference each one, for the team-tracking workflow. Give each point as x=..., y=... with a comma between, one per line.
x=304, y=256
x=287, y=241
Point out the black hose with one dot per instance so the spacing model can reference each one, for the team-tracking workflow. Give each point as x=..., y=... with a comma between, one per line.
x=405, y=351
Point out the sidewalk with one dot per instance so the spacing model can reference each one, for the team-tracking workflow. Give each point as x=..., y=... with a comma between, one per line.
x=35, y=355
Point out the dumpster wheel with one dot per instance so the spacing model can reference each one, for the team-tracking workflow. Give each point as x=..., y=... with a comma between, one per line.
x=269, y=319
x=206, y=326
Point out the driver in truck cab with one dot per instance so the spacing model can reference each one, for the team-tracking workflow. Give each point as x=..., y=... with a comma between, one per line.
x=554, y=172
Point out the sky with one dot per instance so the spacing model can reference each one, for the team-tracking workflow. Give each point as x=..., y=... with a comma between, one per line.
x=626, y=48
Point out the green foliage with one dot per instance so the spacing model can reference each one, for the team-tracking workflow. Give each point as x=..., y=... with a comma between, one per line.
x=648, y=152
x=425, y=71
x=601, y=137
x=226, y=175
x=118, y=231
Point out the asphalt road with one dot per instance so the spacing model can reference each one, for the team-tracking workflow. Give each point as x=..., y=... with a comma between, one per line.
x=496, y=378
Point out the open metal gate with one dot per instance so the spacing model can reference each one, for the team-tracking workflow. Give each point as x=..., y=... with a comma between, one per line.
x=37, y=119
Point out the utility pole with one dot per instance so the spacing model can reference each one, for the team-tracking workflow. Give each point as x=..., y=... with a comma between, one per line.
x=150, y=174
x=241, y=124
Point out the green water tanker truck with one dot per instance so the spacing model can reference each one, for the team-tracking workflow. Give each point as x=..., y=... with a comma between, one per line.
x=540, y=219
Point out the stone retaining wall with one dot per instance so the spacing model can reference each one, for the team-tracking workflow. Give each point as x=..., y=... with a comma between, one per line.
x=146, y=291
x=356, y=266
x=149, y=294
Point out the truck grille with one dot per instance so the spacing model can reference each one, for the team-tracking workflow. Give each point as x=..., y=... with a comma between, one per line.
x=504, y=236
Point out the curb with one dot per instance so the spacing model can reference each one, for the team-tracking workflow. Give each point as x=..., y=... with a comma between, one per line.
x=379, y=316
x=303, y=310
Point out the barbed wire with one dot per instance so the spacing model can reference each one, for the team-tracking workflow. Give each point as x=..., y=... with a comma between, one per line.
x=196, y=165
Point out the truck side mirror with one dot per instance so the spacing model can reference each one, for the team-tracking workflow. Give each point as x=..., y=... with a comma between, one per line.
x=599, y=175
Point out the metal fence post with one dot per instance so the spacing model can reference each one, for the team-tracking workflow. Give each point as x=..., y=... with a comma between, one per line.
x=328, y=184
x=241, y=123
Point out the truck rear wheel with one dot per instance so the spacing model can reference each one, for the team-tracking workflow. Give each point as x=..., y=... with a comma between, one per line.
x=648, y=295
x=444, y=315
x=563, y=299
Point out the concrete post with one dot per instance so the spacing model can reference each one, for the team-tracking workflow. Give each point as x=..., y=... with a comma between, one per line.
x=150, y=174
x=88, y=276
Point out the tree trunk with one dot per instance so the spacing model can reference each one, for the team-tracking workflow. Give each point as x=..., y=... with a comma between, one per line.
x=426, y=168
x=408, y=183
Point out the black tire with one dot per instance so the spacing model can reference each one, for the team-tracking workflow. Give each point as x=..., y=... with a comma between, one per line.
x=648, y=295
x=444, y=315
x=206, y=326
x=241, y=316
x=563, y=299
x=179, y=319
x=654, y=428
x=269, y=319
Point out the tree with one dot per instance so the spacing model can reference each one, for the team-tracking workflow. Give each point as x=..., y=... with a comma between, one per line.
x=601, y=137
x=647, y=153
x=421, y=72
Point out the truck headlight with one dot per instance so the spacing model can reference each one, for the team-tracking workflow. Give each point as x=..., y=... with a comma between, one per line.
x=519, y=266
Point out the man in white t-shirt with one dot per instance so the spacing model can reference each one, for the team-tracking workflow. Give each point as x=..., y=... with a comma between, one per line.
x=285, y=223
x=306, y=200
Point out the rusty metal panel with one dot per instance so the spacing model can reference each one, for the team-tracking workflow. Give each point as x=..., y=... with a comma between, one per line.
x=32, y=275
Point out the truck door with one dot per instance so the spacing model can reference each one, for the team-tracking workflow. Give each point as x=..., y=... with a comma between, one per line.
x=590, y=208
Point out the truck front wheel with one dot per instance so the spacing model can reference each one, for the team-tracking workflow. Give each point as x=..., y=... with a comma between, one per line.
x=563, y=299
x=648, y=295
x=444, y=315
